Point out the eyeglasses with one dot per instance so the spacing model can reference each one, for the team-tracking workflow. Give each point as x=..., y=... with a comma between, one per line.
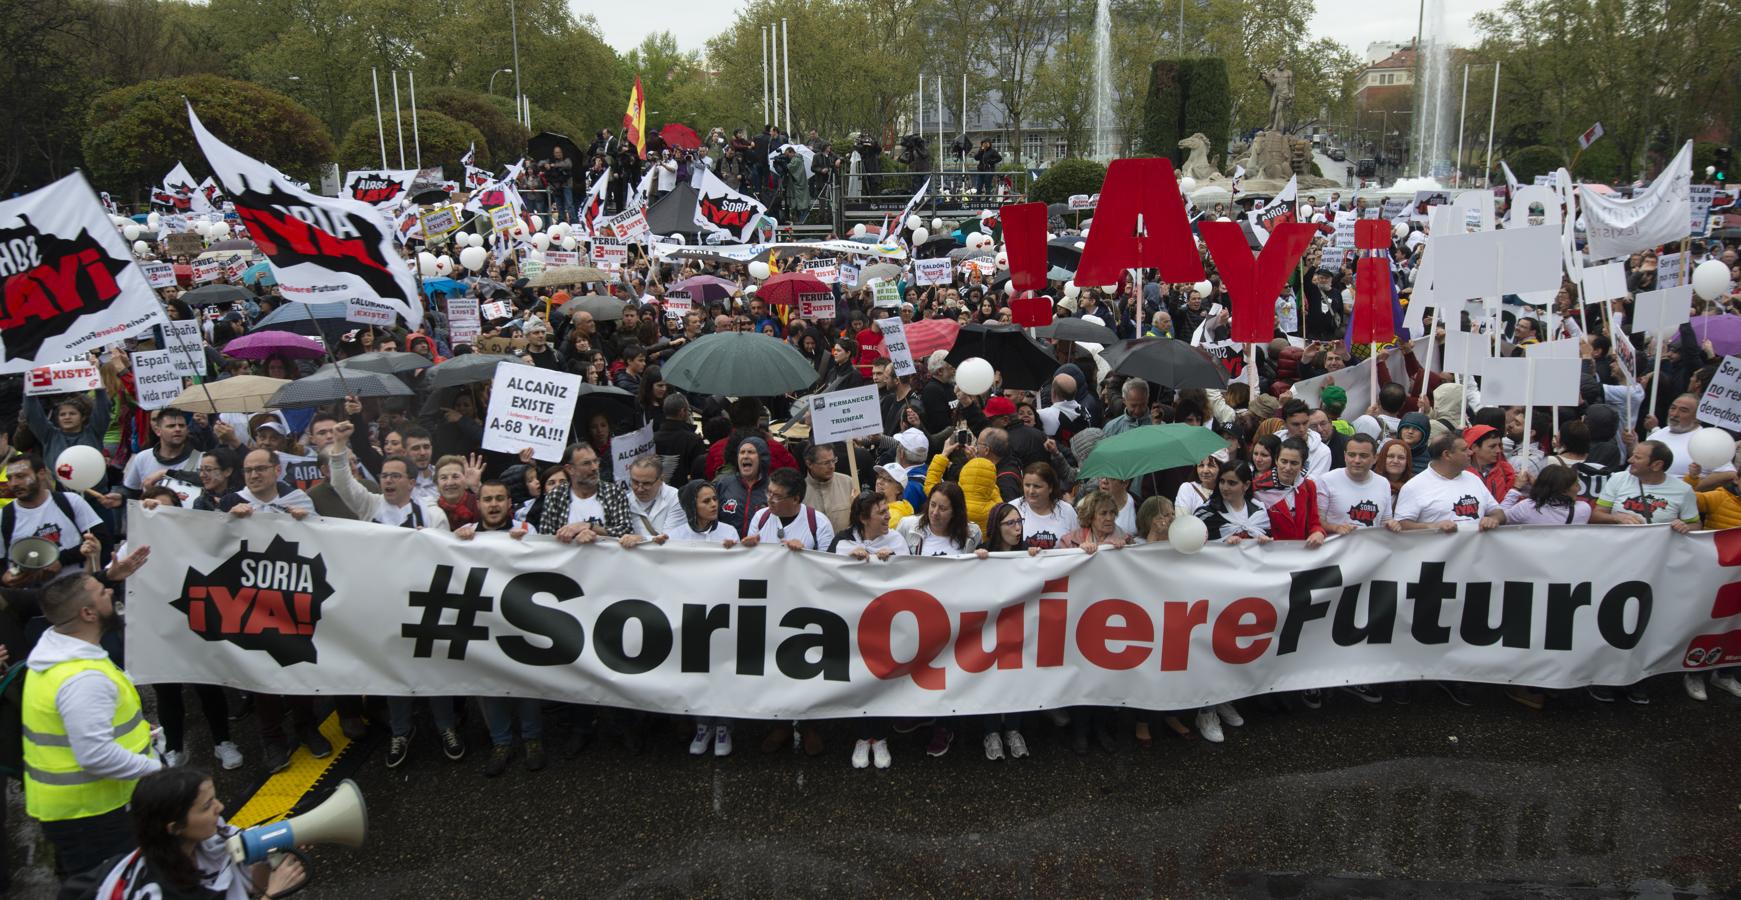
x=643, y=484
x=259, y=470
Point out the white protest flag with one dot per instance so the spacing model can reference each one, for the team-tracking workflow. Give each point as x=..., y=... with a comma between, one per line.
x=471, y=152
x=593, y=208
x=918, y=197
x=500, y=192
x=180, y=182
x=721, y=210
x=1657, y=215
x=638, y=192
x=384, y=189
x=1278, y=210
x=321, y=249
x=1590, y=136
x=70, y=282
x=1510, y=179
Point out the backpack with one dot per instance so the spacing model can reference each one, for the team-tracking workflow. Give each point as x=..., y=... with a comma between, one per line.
x=761, y=519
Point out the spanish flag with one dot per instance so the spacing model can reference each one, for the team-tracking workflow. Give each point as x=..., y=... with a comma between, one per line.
x=635, y=119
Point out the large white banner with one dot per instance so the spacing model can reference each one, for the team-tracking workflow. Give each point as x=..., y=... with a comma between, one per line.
x=1657, y=216
x=268, y=604
x=71, y=285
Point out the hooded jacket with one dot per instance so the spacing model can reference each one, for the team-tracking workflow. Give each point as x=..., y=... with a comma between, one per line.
x=1419, y=451
x=738, y=500
x=1447, y=404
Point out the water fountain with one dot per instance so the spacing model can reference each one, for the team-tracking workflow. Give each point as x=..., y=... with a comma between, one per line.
x=1432, y=126
x=1103, y=80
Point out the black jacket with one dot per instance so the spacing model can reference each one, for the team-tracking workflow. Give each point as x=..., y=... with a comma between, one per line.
x=678, y=439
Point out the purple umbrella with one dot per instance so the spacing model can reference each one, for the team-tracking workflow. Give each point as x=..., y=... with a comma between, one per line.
x=262, y=344
x=1724, y=332
x=705, y=289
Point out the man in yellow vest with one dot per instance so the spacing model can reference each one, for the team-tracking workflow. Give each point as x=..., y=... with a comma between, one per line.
x=86, y=741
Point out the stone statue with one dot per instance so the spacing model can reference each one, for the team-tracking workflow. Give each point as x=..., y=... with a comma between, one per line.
x=1281, y=96
x=1197, y=164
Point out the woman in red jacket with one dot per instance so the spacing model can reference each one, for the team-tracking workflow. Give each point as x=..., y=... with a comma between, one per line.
x=1291, y=498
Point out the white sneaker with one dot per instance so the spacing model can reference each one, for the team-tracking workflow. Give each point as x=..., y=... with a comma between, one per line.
x=175, y=758
x=1209, y=725
x=880, y=750
x=1695, y=685
x=1228, y=714
x=993, y=746
x=229, y=755
x=1723, y=681
x=722, y=741
x=703, y=737
x=1013, y=740
x=861, y=754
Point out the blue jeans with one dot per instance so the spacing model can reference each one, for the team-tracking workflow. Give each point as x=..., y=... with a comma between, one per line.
x=499, y=714
x=399, y=711
x=563, y=199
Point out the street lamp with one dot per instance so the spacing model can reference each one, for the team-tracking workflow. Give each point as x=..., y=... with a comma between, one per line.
x=493, y=78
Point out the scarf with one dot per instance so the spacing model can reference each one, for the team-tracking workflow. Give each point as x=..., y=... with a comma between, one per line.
x=463, y=511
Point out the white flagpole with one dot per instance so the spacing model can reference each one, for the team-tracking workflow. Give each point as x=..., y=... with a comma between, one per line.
x=765, y=105
x=774, y=61
x=919, y=105
x=1492, y=116
x=380, y=129
x=786, y=53
x=398, y=123
x=964, y=131
x=939, y=132
x=1462, y=114
x=416, y=141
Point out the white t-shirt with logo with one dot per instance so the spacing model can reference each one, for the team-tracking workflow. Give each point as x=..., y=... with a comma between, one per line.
x=48, y=522
x=146, y=464
x=1655, y=503
x=1681, y=445
x=590, y=510
x=1046, y=531
x=1344, y=501
x=1430, y=497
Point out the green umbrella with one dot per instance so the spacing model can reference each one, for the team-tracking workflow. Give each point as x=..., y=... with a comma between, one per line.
x=739, y=364
x=1150, y=449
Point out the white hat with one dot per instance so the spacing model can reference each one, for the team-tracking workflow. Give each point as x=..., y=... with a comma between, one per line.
x=893, y=472
x=914, y=442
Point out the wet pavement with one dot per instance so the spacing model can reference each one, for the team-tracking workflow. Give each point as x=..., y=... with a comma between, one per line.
x=1350, y=801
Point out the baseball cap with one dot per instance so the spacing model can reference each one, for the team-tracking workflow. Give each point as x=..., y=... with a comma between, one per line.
x=893, y=472
x=999, y=406
x=270, y=420
x=1474, y=433
x=914, y=442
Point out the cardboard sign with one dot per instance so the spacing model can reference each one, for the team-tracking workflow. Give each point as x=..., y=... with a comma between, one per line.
x=626, y=448
x=62, y=378
x=1702, y=196
x=159, y=275
x=463, y=326
x=1344, y=232
x=679, y=302
x=206, y=270
x=556, y=258
x=895, y=341
x=816, y=306
x=1509, y=381
x=933, y=271
x=439, y=222
x=497, y=309
x=888, y=293
x=1603, y=283
x=1084, y=201
x=1466, y=352
x=184, y=244
x=368, y=312
x=530, y=407
x=1721, y=405
x=844, y=415
x=826, y=270
x=610, y=257
x=185, y=338
x=849, y=275
x=1668, y=270
x=234, y=267
x=502, y=219
x=155, y=375
x=1393, y=207
x=629, y=225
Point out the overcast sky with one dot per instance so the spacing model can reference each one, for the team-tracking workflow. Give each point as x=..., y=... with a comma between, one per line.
x=1355, y=23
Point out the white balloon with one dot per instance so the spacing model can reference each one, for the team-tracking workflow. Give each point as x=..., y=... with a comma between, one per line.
x=1085, y=234
x=132, y=231
x=1401, y=230
x=1003, y=260
x=937, y=225
x=541, y=241
x=120, y=222
x=1305, y=211
x=1187, y=184
x=476, y=240
x=1711, y=448
x=473, y=258
x=1710, y=279
x=1187, y=534
x=1203, y=287
x=154, y=220
x=974, y=376
x=759, y=270
x=1223, y=219
x=426, y=264
x=80, y=467
x=520, y=230
x=537, y=223
x=921, y=235
x=140, y=248
x=536, y=256
x=914, y=221
x=858, y=230
x=443, y=265
x=568, y=242
x=1071, y=291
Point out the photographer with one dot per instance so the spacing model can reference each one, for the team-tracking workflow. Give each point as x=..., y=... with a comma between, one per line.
x=867, y=152
x=558, y=172
x=988, y=159
x=916, y=156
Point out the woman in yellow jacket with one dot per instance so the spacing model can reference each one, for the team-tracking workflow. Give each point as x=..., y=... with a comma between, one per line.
x=1719, y=508
x=978, y=480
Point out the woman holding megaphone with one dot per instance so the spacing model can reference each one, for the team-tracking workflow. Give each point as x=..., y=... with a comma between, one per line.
x=178, y=822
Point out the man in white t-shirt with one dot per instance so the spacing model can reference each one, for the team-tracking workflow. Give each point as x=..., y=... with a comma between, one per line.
x=1677, y=436
x=38, y=510
x=1445, y=493
x=171, y=454
x=787, y=520
x=1352, y=498
x=1644, y=493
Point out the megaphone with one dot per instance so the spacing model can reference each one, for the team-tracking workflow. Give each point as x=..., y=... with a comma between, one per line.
x=340, y=819
x=32, y=553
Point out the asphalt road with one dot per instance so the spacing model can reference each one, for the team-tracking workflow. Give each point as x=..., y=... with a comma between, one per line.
x=1350, y=801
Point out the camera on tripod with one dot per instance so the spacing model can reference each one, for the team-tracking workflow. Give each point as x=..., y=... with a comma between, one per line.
x=913, y=149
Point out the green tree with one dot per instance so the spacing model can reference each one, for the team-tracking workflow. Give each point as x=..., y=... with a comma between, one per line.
x=1068, y=177
x=1064, y=93
x=504, y=136
x=1528, y=162
x=1020, y=33
x=444, y=140
x=135, y=134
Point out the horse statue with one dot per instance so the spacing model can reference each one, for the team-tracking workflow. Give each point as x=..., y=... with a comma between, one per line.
x=1197, y=164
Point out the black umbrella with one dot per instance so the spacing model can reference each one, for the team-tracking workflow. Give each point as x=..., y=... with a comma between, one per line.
x=1023, y=364
x=1164, y=361
x=1065, y=252
x=429, y=196
x=541, y=144
x=386, y=362
x=326, y=320
x=938, y=245
x=616, y=404
x=467, y=368
x=216, y=295
x=1073, y=328
x=329, y=384
x=1058, y=209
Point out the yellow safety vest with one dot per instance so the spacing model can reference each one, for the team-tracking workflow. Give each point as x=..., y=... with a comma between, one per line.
x=55, y=788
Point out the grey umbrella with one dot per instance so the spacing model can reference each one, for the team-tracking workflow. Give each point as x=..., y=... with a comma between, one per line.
x=215, y=294
x=602, y=308
x=329, y=384
x=739, y=364
x=467, y=368
x=1077, y=329
x=386, y=363
x=884, y=271
x=963, y=253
